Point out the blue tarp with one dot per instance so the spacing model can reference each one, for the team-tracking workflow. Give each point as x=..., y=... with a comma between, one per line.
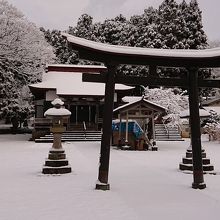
x=133, y=127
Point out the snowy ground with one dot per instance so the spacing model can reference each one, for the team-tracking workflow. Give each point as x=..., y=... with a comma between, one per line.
x=144, y=185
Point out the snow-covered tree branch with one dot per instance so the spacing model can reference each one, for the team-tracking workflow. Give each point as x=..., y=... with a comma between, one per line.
x=23, y=55
x=174, y=100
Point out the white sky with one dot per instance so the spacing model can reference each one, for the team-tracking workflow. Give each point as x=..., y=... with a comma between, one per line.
x=56, y=14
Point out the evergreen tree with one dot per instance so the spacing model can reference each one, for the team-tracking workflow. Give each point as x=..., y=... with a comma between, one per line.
x=196, y=38
x=171, y=26
x=83, y=28
x=115, y=31
x=63, y=54
x=148, y=35
x=166, y=23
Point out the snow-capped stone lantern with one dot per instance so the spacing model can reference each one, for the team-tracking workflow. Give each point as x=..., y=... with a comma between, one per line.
x=57, y=162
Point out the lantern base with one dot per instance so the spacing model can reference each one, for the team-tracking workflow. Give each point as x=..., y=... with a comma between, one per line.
x=56, y=170
x=56, y=163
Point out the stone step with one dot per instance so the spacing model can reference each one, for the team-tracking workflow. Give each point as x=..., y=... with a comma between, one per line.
x=71, y=136
x=170, y=134
x=172, y=131
x=50, y=140
x=189, y=167
x=56, y=170
x=171, y=139
x=74, y=136
x=161, y=133
x=189, y=160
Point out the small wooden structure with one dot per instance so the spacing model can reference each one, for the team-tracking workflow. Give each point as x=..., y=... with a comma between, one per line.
x=112, y=56
x=143, y=110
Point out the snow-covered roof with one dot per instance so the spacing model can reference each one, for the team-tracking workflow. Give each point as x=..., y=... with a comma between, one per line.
x=134, y=99
x=77, y=66
x=213, y=108
x=139, y=101
x=202, y=113
x=211, y=101
x=66, y=83
x=161, y=56
x=131, y=98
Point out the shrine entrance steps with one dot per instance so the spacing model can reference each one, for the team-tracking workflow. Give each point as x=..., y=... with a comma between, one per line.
x=71, y=136
x=167, y=133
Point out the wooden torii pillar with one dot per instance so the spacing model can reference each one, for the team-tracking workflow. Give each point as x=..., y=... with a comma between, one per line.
x=102, y=182
x=113, y=55
x=193, y=89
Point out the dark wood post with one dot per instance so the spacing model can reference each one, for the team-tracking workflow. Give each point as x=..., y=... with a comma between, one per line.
x=153, y=71
x=97, y=116
x=107, y=128
x=198, y=179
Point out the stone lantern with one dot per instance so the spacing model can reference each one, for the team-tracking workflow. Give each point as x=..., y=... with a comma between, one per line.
x=57, y=162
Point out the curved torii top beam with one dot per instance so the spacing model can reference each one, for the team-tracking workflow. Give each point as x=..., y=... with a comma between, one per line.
x=143, y=56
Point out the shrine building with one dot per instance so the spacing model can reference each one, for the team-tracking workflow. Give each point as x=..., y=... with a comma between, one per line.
x=84, y=99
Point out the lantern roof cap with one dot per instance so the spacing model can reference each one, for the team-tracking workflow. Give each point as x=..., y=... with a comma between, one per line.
x=57, y=110
x=57, y=101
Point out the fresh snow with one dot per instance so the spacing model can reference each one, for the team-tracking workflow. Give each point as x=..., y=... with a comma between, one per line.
x=78, y=66
x=202, y=113
x=57, y=101
x=67, y=83
x=131, y=98
x=136, y=100
x=57, y=112
x=144, y=184
x=179, y=53
x=213, y=108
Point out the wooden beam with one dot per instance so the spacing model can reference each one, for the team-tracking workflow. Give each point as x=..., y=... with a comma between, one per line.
x=137, y=116
x=99, y=78
x=150, y=81
x=209, y=83
x=100, y=52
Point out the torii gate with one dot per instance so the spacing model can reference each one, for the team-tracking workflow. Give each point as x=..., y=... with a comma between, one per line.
x=112, y=56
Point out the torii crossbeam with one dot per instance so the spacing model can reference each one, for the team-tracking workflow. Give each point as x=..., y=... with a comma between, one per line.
x=112, y=56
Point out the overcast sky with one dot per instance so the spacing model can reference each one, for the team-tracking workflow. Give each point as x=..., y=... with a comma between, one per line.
x=59, y=14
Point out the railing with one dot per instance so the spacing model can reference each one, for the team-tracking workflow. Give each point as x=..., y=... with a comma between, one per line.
x=84, y=129
x=42, y=123
x=167, y=129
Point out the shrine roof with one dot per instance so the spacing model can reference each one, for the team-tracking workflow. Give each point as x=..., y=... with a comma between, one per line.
x=213, y=108
x=203, y=113
x=143, y=56
x=67, y=83
x=75, y=68
x=137, y=102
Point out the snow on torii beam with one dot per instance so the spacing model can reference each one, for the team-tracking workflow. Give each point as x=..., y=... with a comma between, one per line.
x=146, y=56
x=113, y=56
x=100, y=52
